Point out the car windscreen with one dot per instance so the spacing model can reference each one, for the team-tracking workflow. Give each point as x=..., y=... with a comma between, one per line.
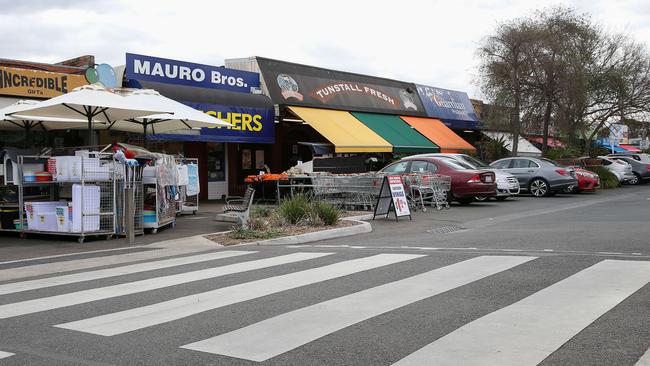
x=457, y=165
x=474, y=162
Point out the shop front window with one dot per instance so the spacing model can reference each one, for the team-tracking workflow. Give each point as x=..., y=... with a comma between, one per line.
x=216, y=162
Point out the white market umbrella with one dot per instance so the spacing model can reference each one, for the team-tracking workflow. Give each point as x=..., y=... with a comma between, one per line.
x=182, y=116
x=95, y=104
x=28, y=123
x=9, y=122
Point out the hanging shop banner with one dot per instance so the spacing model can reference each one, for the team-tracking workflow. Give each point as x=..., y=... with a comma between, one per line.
x=164, y=70
x=300, y=85
x=249, y=125
x=37, y=83
x=453, y=107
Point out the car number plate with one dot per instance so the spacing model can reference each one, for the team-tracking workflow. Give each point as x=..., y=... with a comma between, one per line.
x=488, y=179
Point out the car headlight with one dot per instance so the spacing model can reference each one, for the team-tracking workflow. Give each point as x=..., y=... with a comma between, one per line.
x=502, y=180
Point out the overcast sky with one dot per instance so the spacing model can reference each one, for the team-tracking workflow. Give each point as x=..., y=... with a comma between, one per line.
x=428, y=42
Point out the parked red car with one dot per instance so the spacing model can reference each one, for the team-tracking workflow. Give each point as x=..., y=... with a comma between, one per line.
x=587, y=180
x=466, y=182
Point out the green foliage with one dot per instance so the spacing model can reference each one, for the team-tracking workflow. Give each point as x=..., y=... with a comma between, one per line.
x=563, y=153
x=261, y=211
x=248, y=233
x=326, y=213
x=599, y=151
x=493, y=149
x=300, y=209
x=295, y=209
x=607, y=179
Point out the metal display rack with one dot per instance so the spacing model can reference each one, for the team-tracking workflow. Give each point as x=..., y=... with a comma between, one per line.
x=164, y=204
x=186, y=204
x=89, y=178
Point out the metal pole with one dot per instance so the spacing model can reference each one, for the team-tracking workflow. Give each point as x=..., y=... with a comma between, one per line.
x=90, y=129
x=129, y=211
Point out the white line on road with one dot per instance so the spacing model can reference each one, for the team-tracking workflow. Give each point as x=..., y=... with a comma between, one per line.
x=115, y=271
x=146, y=316
x=5, y=354
x=644, y=360
x=528, y=331
x=85, y=296
x=274, y=336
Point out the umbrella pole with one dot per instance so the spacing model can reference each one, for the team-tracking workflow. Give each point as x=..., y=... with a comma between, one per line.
x=90, y=130
x=28, y=139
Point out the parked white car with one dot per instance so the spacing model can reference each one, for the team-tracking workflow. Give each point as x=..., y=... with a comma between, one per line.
x=621, y=169
x=507, y=184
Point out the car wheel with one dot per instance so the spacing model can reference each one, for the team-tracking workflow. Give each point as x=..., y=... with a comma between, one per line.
x=481, y=199
x=636, y=179
x=539, y=188
x=501, y=198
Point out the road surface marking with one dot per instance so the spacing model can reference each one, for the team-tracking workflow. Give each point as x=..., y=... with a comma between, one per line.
x=81, y=297
x=528, y=331
x=644, y=360
x=147, y=316
x=5, y=354
x=115, y=271
x=274, y=336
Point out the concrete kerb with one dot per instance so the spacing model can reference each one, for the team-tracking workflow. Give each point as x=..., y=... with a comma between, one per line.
x=361, y=227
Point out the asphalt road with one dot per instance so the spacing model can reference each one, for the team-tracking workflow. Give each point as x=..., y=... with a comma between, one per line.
x=555, y=281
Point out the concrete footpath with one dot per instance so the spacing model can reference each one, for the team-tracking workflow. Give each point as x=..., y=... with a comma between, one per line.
x=12, y=247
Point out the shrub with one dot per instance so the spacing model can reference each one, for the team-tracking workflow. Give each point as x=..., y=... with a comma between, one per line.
x=261, y=211
x=246, y=233
x=607, y=178
x=325, y=212
x=294, y=209
x=560, y=153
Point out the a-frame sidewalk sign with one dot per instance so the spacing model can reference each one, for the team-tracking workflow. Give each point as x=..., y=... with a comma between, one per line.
x=392, y=196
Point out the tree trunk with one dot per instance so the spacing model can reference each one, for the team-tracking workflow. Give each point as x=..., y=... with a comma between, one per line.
x=516, y=110
x=547, y=120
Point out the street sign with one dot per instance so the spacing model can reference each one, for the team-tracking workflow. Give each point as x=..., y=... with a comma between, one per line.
x=392, y=195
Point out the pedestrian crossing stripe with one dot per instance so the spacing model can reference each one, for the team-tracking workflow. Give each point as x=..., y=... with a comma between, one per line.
x=5, y=354
x=274, y=336
x=528, y=331
x=150, y=315
x=644, y=360
x=116, y=271
x=101, y=293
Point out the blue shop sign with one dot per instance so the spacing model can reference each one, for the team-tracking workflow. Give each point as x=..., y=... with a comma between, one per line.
x=453, y=107
x=249, y=125
x=162, y=70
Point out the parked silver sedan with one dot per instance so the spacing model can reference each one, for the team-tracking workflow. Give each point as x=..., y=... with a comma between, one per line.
x=538, y=176
x=507, y=184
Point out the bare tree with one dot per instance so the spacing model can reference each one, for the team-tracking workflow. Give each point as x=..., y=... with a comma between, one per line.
x=559, y=67
x=504, y=67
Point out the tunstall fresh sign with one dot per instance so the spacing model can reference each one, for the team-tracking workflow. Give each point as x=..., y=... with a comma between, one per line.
x=162, y=70
x=295, y=84
x=37, y=83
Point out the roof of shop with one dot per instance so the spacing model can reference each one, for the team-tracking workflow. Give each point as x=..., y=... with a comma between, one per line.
x=343, y=130
x=441, y=135
x=206, y=95
x=397, y=132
